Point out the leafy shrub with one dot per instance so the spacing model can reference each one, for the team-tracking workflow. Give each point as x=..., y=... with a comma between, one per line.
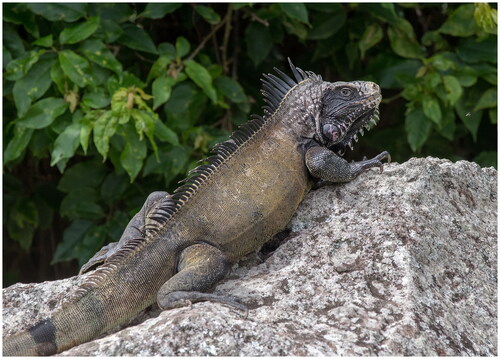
x=105, y=103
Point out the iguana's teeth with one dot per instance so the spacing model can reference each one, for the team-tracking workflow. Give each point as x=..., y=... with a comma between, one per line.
x=361, y=131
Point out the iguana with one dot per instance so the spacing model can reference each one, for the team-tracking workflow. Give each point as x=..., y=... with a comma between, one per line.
x=181, y=245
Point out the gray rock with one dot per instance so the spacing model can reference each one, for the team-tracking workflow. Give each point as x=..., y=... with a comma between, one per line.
x=398, y=263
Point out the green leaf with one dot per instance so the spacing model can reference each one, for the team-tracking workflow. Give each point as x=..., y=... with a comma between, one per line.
x=487, y=100
x=159, y=68
x=461, y=22
x=466, y=76
x=20, y=15
x=418, y=128
x=403, y=40
x=6, y=57
x=296, y=28
x=66, y=143
x=145, y=122
x=97, y=52
x=388, y=69
x=165, y=134
x=12, y=41
x=231, y=89
x=134, y=153
x=23, y=219
x=487, y=159
x=383, y=11
x=59, y=78
x=104, y=128
x=327, y=24
x=296, y=11
x=208, y=14
x=113, y=187
x=185, y=106
x=79, y=32
x=443, y=61
x=259, y=42
x=114, y=11
x=432, y=110
x=81, y=203
x=83, y=174
x=486, y=17
x=137, y=39
x=19, y=142
x=453, y=88
x=159, y=10
x=448, y=126
x=473, y=50
x=465, y=108
x=33, y=86
x=167, y=49
x=72, y=236
x=87, y=125
x=76, y=67
x=162, y=88
x=201, y=77
x=45, y=41
x=59, y=11
x=110, y=31
x=17, y=68
x=43, y=113
x=371, y=36
x=96, y=99
x=182, y=46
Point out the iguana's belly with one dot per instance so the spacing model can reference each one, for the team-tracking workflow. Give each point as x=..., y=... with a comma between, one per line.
x=250, y=198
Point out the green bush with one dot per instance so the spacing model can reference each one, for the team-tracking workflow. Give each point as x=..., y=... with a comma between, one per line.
x=105, y=103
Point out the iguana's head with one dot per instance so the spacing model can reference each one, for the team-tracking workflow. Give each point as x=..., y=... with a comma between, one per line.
x=333, y=114
x=348, y=108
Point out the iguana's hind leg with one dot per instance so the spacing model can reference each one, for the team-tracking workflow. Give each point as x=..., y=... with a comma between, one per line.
x=133, y=230
x=329, y=167
x=200, y=268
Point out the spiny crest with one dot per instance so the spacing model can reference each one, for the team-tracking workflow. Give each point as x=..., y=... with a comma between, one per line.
x=110, y=265
x=274, y=88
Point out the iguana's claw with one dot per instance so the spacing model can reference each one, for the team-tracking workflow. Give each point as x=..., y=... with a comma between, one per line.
x=381, y=156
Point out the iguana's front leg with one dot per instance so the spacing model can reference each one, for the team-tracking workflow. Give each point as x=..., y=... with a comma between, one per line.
x=329, y=167
x=200, y=268
x=133, y=230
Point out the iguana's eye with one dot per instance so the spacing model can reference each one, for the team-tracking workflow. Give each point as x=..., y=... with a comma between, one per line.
x=345, y=91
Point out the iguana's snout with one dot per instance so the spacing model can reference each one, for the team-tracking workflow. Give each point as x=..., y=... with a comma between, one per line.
x=331, y=132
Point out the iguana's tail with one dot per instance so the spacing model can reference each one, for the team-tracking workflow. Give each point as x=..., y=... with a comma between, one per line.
x=38, y=340
x=73, y=324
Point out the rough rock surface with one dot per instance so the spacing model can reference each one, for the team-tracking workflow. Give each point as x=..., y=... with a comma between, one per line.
x=399, y=263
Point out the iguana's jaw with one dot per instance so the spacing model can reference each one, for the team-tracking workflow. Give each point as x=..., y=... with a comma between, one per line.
x=363, y=123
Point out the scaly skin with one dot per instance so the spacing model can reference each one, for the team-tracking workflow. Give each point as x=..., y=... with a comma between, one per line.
x=180, y=246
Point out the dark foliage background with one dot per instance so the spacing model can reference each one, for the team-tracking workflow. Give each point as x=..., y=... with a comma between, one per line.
x=105, y=103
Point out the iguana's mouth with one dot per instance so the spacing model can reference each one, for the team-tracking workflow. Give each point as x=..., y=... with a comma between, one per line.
x=363, y=123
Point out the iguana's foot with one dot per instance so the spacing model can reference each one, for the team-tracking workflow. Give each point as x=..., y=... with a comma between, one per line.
x=182, y=298
x=330, y=168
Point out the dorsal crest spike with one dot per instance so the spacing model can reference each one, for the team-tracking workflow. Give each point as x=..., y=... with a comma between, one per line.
x=297, y=73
